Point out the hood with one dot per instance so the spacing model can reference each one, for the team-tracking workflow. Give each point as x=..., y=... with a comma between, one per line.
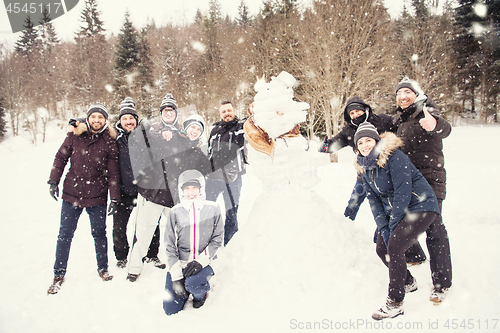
x=358, y=100
x=388, y=143
x=191, y=175
x=83, y=127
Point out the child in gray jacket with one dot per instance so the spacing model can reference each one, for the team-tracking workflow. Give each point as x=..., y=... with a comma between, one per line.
x=193, y=234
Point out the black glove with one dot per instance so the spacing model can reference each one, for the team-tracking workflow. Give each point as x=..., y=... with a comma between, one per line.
x=358, y=195
x=192, y=268
x=113, y=207
x=54, y=191
x=179, y=289
x=324, y=147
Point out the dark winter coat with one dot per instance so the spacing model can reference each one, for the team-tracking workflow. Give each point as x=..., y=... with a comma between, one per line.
x=94, y=167
x=383, y=123
x=157, y=163
x=395, y=187
x=425, y=149
x=226, y=148
x=127, y=182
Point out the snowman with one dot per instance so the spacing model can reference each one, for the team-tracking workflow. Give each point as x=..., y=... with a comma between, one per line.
x=280, y=156
x=273, y=257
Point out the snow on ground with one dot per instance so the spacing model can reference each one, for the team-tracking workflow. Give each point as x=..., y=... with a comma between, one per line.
x=292, y=274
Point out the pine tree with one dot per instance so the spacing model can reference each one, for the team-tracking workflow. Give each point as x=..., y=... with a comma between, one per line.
x=145, y=78
x=46, y=32
x=92, y=60
x=127, y=60
x=127, y=49
x=244, y=17
x=27, y=45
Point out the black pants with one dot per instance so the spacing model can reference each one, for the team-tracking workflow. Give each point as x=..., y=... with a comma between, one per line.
x=393, y=255
x=120, y=220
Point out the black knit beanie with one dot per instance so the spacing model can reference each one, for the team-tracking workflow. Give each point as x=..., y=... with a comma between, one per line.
x=98, y=107
x=127, y=106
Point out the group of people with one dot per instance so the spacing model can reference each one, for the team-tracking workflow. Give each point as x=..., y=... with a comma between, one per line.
x=400, y=168
x=156, y=168
x=151, y=169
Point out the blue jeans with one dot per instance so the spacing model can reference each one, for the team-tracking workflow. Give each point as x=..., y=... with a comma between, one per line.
x=197, y=285
x=231, y=194
x=69, y=220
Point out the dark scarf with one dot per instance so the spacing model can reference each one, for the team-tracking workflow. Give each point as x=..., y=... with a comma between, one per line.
x=369, y=162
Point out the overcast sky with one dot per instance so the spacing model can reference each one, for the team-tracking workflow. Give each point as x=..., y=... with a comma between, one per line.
x=161, y=11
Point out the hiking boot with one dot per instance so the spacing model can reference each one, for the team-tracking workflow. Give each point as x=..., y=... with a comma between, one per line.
x=156, y=261
x=438, y=295
x=121, y=263
x=411, y=287
x=391, y=309
x=104, y=275
x=132, y=277
x=56, y=285
x=199, y=303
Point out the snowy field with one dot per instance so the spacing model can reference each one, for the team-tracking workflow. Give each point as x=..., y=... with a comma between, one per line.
x=285, y=273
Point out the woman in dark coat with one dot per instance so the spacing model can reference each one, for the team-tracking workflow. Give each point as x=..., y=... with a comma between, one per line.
x=403, y=206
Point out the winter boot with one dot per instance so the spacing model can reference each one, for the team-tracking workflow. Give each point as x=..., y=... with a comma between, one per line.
x=391, y=309
x=411, y=287
x=156, y=261
x=56, y=285
x=121, y=263
x=104, y=275
x=438, y=295
x=132, y=277
x=199, y=303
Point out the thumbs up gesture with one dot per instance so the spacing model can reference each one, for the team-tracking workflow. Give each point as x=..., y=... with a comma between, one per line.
x=428, y=123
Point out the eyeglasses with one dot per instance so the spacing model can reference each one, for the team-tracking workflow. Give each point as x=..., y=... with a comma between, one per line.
x=168, y=110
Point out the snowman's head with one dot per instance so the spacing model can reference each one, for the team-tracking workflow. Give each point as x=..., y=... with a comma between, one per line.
x=274, y=109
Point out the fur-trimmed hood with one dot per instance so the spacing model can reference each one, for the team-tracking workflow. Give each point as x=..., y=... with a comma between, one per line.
x=83, y=127
x=387, y=145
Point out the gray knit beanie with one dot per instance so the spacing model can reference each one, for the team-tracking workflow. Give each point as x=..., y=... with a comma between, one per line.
x=366, y=129
x=410, y=84
x=168, y=100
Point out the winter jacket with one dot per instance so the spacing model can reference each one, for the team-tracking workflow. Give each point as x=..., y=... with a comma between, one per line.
x=226, y=149
x=425, y=149
x=157, y=163
x=383, y=123
x=94, y=167
x=127, y=181
x=395, y=187
x=194, y=229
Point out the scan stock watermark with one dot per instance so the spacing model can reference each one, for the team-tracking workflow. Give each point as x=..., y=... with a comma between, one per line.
x=368, y=324
x=17, y=11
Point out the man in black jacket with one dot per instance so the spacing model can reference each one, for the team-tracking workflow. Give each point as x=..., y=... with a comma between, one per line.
x=226, y=147
x=422, y=129
x=127, y=122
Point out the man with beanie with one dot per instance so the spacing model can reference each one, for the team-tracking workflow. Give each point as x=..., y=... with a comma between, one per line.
x=357, y=112
x=226, y=152
x=422, y=129
x=127, y=122
x=94, y=170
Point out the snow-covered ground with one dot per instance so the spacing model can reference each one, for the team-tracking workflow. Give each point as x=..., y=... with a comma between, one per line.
x=276, y=275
